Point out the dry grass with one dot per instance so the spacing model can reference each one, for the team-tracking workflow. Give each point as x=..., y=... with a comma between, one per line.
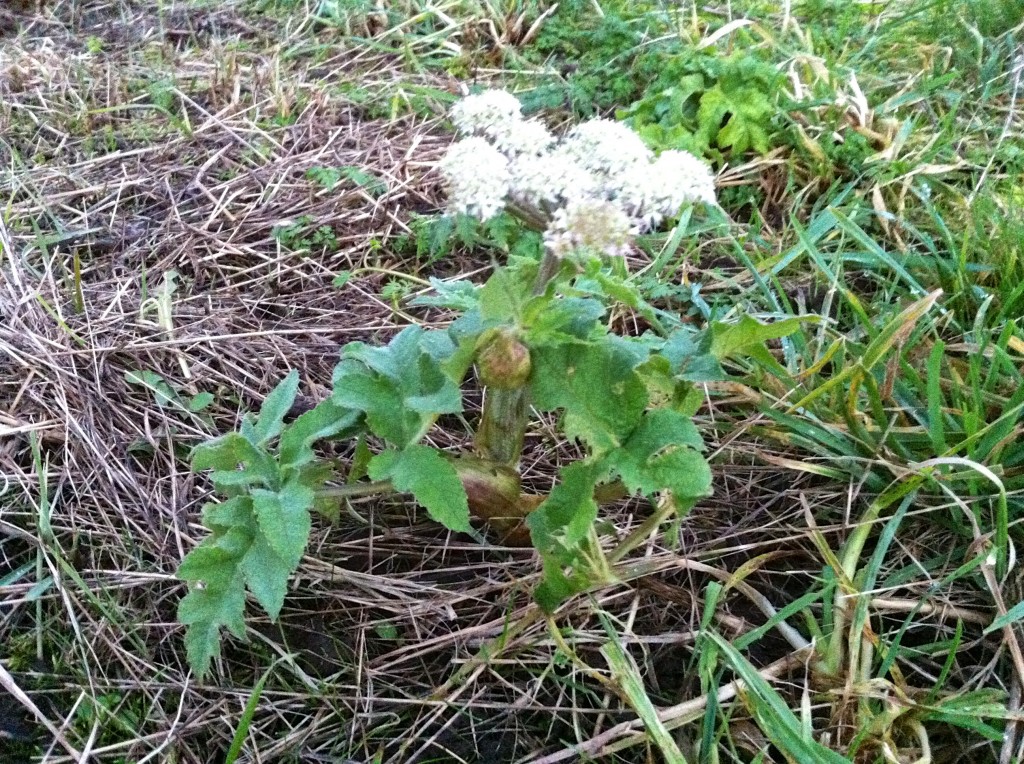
x=178, y=141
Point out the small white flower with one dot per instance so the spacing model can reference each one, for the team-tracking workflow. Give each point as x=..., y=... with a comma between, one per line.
x=485, y=112
x=593, y=224
x=525, y=136
x=478, y=178
x=604, y=146
x=684, y=178
x=650, y=192
x=550, y=180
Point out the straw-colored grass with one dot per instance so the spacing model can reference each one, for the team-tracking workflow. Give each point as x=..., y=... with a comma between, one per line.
x=149, y=145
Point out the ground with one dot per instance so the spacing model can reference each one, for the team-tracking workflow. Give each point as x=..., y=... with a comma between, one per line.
x=183, y=181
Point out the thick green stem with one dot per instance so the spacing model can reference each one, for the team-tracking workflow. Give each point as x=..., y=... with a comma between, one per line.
x=506, y=409
x=499, y=437
x=550, y=264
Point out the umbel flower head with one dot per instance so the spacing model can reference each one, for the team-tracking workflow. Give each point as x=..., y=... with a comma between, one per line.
x=598, y=186
x=478, y=178
x=497, y=116
x=589, y=224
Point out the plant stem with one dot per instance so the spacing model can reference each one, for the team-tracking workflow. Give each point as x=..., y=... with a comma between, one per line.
x=645, y=529
x=550, y=264
x=355, y=490
x=499, y=437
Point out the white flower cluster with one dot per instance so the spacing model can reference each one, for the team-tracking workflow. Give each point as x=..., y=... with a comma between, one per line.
x=497, y=116
x=478, y=178
x=589, y=224
x=598, y=186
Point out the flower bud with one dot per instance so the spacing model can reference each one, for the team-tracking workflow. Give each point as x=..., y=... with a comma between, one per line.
x=503, y=361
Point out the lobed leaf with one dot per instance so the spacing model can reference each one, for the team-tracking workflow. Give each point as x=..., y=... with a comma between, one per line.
x=430, y=478
x=217, y=600
x=662, y=454
x=266, y=574
x=559, y=524
x=284, y=520
x=402, y=387
x=597, y=386
x=326, y=420
x=270, y=421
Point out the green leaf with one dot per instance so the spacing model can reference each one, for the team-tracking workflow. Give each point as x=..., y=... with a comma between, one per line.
x=270, y=421
x=746, y=112
x=204, y=612
x=731, y=339
x=163, y=393
x=714, y=106
x=558, y=321
x=284, y=519
x=221, y=516
x=1014, y=614
x=326, y=420
x=379, y=397
x=597, y=386
x=401, y=388
x=200, y=401
x=372, y=184
x=391, y=360
x=627, y=675
x=360, y=462
x=502, y=297
x=226, y=453
x=236, y=540
x=662, y=454
x=328, y=177
x=690, y=358
x=217, y=599
x=461, y=296
x=779, y=724
x=267, y=575
x=217, y=605
x=213, y=565
x=225, y=480
x=559, y=524
x=555, y=586
x=430, y=478
x=682, y=471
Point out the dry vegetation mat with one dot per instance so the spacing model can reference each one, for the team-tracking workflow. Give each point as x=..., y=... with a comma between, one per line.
x=181, y=184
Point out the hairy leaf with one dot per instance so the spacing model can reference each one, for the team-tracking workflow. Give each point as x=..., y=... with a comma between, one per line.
x=210, y=564
x=217, y=599
x=729, y=339
x=225, y=454
x=433, y=482
x=559, y=525
x=565, y=517
x=747, y=112
x=270, y=421
x=222, y=516
x=204, y=612
x=558, y=321
x=401, y=388
x=267, y=575
x=326, y=420
x=661, y=455
x=284, y=519
x=597, y=386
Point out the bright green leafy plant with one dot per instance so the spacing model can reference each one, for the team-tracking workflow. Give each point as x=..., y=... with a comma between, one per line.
x=538, y=334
